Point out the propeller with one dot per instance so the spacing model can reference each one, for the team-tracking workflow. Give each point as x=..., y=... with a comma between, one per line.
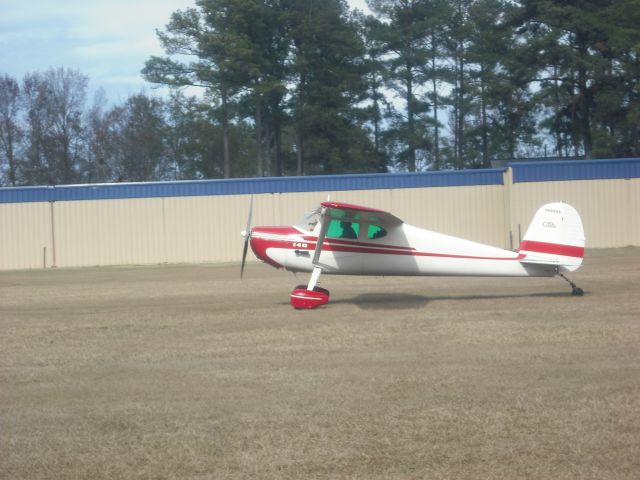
x=246, y=233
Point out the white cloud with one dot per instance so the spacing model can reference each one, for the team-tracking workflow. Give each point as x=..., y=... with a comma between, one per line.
x=124, y=18
x=109, y=40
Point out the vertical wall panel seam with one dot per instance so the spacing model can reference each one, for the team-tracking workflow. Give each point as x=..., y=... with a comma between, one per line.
x=507, y=235
x=629, y=201
x=53, y=234
x=164, y=231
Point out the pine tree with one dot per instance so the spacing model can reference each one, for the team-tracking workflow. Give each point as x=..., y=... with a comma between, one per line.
x=585, y=53
x=327, y=73
x=401, y=29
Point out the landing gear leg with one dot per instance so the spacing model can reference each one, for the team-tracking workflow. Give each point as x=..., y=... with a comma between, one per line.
x=575, y=290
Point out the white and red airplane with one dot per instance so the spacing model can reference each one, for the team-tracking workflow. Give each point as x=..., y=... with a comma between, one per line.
x=340, y=238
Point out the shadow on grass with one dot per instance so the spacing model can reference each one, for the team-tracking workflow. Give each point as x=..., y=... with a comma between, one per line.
x=395, y=301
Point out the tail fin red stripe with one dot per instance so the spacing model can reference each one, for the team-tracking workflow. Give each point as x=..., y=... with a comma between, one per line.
x=552, y=248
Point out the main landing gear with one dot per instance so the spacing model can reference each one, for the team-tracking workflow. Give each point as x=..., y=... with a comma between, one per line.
x=310, y=296
x=575, y=290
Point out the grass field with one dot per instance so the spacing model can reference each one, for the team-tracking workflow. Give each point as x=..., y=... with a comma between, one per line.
x=186, y=372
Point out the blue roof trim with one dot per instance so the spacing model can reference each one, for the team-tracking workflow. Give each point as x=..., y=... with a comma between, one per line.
x=251, y=185
x=538, y=171
x=543, y=171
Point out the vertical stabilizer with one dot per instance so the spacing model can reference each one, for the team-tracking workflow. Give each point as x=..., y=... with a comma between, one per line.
x=554, y=237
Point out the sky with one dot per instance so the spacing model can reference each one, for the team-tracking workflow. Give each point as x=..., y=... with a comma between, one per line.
x=108, y=40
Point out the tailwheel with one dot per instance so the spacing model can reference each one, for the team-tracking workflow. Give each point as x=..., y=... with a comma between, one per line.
x=575, y=290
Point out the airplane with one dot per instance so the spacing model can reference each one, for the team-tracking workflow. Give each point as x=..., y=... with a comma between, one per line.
x=345, y=239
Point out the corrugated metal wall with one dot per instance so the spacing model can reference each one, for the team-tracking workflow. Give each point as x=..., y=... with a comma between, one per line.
x=111, y=230
x=25, y=236
x=609, y=208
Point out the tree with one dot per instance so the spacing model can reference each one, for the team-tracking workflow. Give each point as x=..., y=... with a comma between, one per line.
x=499, y=87
x=194, y=141
x=259, y=58
x=141, y=133
x=375, y=76
x=54, y=103
x=10, y=131
x=102, y=140
x=458, y=45
x=270, y=63
x=300, y=86
x=585, y=55
x=200, y=41
x=435, y=69
x=401, y=29
x=238, y=49
x=617, y=116
x=327, y=73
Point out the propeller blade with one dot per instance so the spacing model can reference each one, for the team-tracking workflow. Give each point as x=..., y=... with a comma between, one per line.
x=247, y=237
x=244, y=255
x=248, y=229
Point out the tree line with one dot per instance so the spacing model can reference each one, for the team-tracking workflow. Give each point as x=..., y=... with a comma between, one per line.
x=49, y=134
x=293, y=87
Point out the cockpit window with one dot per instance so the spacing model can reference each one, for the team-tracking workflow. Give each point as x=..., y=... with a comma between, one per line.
x=374, y=231
x=343, y=229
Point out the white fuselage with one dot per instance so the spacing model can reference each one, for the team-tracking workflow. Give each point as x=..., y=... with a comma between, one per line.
x=407, y=250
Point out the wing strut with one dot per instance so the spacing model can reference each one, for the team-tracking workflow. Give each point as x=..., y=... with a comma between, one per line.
x=314, y=296
x=324, y=226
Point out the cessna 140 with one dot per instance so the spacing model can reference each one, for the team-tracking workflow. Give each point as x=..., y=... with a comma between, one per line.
x=345, y=239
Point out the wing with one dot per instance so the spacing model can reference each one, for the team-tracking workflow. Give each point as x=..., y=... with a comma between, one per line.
x=356, y=213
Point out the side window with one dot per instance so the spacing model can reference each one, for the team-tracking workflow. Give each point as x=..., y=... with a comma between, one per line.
x=374, y=231
x=342, y=229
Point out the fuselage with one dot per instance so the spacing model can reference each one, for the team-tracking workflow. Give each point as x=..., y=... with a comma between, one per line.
x=405, y=250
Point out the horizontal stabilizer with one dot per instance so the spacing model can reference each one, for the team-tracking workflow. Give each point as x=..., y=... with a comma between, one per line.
x=555, y=237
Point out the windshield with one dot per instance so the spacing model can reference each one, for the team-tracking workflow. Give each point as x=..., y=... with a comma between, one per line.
x=309, y=221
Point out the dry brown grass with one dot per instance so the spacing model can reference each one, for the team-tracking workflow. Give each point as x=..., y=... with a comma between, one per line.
x=186, y=372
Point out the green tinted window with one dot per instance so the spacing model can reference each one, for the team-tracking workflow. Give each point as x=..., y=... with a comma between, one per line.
x=374, y=231
x=340, y=229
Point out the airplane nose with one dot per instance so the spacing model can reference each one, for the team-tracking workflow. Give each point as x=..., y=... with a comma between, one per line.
x=260, y=247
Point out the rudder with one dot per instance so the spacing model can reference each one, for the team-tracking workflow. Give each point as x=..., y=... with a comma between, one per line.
x=554, y=237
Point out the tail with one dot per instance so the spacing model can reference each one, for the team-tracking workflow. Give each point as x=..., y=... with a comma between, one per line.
x=555, y=237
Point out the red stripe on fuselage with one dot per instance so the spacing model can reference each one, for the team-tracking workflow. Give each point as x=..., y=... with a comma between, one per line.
x=552, y=248
x=260, y=246
x=337, y=241
x=359, y=249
